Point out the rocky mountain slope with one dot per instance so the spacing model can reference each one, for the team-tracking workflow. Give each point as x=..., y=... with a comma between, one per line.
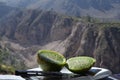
x=24, y=26
x=27, y=31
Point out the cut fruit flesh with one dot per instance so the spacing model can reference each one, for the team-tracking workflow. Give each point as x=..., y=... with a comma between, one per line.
x=50, y=60
x=80, y=64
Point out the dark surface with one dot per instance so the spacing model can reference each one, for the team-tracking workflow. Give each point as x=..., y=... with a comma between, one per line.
x=40, y=75
x=107, y=78
x=117, y=76
x=60, y=78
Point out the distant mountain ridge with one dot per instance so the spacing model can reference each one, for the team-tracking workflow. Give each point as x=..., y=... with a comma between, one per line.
x=18, y=3
x=95, y=8
x=4, y=9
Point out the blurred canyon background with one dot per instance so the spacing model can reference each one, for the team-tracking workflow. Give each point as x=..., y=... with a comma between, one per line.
x=71, y=27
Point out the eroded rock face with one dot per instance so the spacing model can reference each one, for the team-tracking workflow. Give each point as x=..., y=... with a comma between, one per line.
x=107, y=50
x=101, y=43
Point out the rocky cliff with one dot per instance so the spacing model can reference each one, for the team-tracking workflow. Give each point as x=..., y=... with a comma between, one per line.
x=32, y=30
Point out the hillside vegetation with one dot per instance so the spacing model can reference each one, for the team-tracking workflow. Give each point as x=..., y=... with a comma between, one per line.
x=9, y=62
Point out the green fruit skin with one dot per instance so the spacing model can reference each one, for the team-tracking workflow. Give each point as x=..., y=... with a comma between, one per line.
x=81, y=71
x=48, y=65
